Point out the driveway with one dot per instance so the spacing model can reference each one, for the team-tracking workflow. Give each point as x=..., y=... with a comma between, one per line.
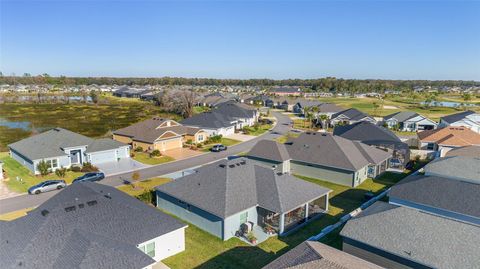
x=182, y=153
x=120, y=167
x=241, y=137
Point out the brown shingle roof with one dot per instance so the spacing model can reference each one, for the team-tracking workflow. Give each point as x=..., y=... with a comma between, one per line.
x=451, y=136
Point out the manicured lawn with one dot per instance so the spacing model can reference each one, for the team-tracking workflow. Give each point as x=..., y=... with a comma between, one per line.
x=284, y=138
x=146, y=159
x=225, y=141
x=200, y=109
x=14, y=169
x=15, y=214
x=144, y=185
x=260, y=129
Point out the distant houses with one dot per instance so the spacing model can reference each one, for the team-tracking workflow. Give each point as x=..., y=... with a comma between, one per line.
x=90, y=225
x=60, y=147
x=469, y=119
x=407, y=121
x=320, y=155
x=221, y=197
x=159, y=134
x=286, y=91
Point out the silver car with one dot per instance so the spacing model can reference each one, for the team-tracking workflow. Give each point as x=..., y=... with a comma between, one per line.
x=48, y=185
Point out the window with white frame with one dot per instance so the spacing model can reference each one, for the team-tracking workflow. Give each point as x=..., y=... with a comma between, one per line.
x=148, y=249
x=53, y=163
x=200, y=137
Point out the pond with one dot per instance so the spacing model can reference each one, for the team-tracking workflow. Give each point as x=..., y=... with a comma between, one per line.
x=447, y=104
x=24, y=125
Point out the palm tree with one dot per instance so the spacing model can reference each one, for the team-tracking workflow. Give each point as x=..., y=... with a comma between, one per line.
x=323, y=120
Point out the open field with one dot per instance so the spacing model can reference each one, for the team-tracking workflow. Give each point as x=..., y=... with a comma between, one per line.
x=15, y=170
x=85, y=118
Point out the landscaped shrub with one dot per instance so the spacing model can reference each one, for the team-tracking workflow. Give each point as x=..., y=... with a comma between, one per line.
x=214, y=139
x=132, y=154
x=155, y=153
x=75, y=168
x=147, y=197
x=88, y=167
x=138, y=149
x=43, y=168
x=189, y=142
x=61, y=172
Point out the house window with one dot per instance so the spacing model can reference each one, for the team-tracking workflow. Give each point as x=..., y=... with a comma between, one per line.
x=430, y=146
x=148, y=249
x=243, y=217
x=53, y=164
x=200, y=138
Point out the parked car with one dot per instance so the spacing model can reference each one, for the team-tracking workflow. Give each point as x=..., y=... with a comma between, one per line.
x=218, y=148
x=91, y=177
x=48, y=185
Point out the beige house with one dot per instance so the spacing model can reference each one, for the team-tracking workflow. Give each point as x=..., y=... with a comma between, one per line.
x=159, y=134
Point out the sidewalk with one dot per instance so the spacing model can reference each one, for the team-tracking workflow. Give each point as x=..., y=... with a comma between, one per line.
x=5, y=192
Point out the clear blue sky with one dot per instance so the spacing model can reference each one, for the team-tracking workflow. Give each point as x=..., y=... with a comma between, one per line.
x=225, y=39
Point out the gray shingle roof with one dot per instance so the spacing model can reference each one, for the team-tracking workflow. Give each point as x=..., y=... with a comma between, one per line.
x=269, y=150
x=429, y=239
x=100, y=235
x=222, y=116
x=352, y=114
x=226, y=187
x=334, y=151
x=448, y=194
x=313, y=255
x=329, y=108
x=401, y=116
x=458, y=167
x=103, y=144
x=49, y=144
x=468, y=151
x=458, y=116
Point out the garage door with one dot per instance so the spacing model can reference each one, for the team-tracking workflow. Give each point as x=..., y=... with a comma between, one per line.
x=102, y=157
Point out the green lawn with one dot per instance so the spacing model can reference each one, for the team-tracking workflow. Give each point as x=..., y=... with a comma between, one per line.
x=14, y=169
x=260, y=129
x=146, y=159
x=225, y=141
x=206, y=251
x=144, y=185
x=284, y=138
x=200, y=109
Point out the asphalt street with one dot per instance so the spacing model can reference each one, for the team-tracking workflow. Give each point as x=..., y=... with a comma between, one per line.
x=283, y=126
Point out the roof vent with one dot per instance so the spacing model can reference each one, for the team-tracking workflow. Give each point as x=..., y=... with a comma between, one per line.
x=44, y=212
x=243, y=162
x=231, y=166
x=70, y=208
x=222, y=165
x=92, y=203
x=108, y=196
x=308, y=133
x=324, y=134
x=81, y=205
x=56, y=129
x=238, y=164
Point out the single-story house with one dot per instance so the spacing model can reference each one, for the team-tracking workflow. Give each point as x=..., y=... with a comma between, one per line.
x=458, y=167
x=408, y=121
x=315, y=255
x=159, y=134
x=450, y=198
x=90, y=225
x=323, y=156
x=215, y=99
x=286, y=91
x=300, y=106
x=63, y=148
x=263, y=100
x=378, y=136
x=224, y=120
x=447, y=138
x=328, y=109
x=220, y=197
x=401, y=237
x=469, y=119
x=125, y=91
x=350, y=116
x=468, y=151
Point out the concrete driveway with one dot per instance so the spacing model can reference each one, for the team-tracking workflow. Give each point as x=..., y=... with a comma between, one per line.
x=182, y=153
x=120, y=167
x=240, y=137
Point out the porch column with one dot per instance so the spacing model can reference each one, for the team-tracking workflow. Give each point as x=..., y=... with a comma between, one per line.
x=281, y=224
x=326, y=202
x=306, y=211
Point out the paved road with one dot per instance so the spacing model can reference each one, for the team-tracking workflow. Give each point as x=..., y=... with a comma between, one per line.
x=282, y=127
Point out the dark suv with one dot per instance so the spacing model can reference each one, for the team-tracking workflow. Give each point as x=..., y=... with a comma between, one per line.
x=91, y=177
x=218, y=148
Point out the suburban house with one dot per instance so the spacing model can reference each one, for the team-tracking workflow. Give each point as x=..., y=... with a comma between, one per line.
x=323, y=156
x=215, y=99
x=447, y=138
x=224, y=120
x=350, y=116
x=60, y=147
x=286, y=91
x=328, y=109
x=408, y=121
x=449, y=198
x=378, y=136
x=469, y=119
x=301, y=105
x=220, y=197
x=394, y=236
x=125, y=91
x=262, y=100
x=159, y=134
x=468, y=151
x=458, y=167
x=315, y=255
x=90, y=225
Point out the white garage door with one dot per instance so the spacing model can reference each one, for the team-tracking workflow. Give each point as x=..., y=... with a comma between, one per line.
x=103, y=157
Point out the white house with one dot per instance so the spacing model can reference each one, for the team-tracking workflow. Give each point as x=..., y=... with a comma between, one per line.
x=469, y=119
x=409, y=122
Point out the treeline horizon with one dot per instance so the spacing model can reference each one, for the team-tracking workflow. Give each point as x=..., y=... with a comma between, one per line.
x=319, y=84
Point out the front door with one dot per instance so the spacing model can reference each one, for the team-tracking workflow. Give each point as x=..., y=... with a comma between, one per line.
x=75, y=156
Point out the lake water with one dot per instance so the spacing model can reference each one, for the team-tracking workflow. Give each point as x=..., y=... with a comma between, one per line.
x=24, y=125
x=447, y=104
